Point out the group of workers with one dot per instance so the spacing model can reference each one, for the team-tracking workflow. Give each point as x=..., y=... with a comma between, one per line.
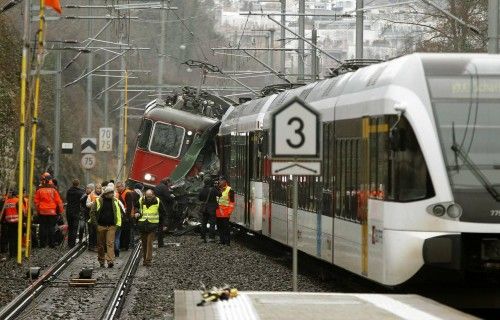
x=111, y=214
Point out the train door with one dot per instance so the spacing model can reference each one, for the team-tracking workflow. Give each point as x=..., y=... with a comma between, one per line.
x=256, y=188
x=325, y=218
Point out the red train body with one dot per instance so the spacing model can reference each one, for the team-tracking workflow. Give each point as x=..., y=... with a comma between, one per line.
x=164, y=137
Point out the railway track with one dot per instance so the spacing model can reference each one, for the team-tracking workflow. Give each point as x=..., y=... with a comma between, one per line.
x=55, y=296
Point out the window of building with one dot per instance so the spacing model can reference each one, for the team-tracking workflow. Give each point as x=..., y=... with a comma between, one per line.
x=167, y=139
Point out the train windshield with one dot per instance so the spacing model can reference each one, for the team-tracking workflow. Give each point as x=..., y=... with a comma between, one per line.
x=467, y=112
x=167, y=139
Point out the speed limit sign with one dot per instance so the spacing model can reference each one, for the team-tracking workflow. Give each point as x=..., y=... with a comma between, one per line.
x=88, y=161
x=295, y=131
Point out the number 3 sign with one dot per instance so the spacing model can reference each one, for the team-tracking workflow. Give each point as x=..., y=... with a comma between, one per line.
x=295, y=131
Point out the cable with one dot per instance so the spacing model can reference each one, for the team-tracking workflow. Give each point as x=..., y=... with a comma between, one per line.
x=191, y=33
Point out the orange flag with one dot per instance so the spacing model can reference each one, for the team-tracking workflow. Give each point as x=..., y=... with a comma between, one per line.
x=54, y=4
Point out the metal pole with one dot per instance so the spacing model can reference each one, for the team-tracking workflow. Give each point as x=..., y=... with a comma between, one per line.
x=120, y=126
x=283, y=35
x=34, y=127
x=294, y=221
x=57, y=115
x=302, y=10
x=161, y=54
x=125, y=127
x=271, y=45
x=307, y=41
x=22, y=121
x=314, y=58
x=106, y=108
x=359, y=29
x=493, y=26
x=89, y=90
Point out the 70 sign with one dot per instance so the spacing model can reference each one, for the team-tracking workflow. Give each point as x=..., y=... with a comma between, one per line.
x=105, y=139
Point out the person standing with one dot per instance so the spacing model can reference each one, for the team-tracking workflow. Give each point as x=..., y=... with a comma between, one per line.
x=126, y=197
x=105, y=213
x=73, y=196
x=85, y=213
x=208, y=197
x=10, y=220
x=91, y=198
x=48, y=205
x=164, y=193
x=223, y=212
x=151, y=211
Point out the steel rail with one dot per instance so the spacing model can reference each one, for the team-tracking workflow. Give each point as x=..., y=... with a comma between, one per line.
x=17, y=306
x=117, y=300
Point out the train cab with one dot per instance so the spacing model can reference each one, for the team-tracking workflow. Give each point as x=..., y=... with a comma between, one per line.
x=165, y=135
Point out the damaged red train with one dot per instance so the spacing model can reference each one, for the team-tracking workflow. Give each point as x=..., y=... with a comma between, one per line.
x=167, y=134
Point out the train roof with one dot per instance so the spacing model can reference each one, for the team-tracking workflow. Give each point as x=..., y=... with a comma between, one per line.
x=181, y=118
x=407, y=71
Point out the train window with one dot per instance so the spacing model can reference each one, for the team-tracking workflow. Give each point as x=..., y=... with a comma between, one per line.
x=409, y=175
x=238, y=166
x=167, y=139
x=144, y=133
x=257, y=154
x=379, y=156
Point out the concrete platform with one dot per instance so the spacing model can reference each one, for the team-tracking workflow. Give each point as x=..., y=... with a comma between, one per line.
x=317, y=306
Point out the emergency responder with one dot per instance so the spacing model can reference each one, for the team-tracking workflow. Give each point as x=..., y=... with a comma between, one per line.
x=105, y=213
x=151, y=212
x=164, y=192
x=10, y=219
x=208, y=197
x=91, y=198
x=73, y=196
x=223, y=212
x=49, y=206
x=126, y=197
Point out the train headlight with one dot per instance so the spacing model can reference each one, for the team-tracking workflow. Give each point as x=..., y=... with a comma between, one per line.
x=149, y=177
x=438, y=210
x=190, y=133
x=454, y=211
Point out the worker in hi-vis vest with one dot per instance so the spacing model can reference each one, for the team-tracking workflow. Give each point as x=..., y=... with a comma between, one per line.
x=223, y=213
x=152, y=212
x=106, y=213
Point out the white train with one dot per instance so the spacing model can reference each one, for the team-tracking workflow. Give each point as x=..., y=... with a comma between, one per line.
x=410, y=174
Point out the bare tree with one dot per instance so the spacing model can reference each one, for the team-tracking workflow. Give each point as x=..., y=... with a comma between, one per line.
x=435, y=31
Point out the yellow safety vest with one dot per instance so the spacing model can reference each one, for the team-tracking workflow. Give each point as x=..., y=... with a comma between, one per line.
x=117, y=211
x=226, y=207
x=151, y=214
x=224, y=198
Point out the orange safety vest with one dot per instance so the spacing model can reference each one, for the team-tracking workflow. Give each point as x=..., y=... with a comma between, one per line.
x=48, y=202
x=226, y=207
x=123, y=197
x=10, y=210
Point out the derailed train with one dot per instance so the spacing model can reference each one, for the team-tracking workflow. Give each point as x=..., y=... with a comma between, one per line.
x=410, y=169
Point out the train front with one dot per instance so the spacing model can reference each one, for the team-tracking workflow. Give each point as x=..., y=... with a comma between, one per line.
x=165, y=136
x=465, y=99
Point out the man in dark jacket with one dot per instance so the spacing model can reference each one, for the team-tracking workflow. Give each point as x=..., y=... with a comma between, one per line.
x=106, y=213
x=126, y=197
x=208, y=197
x=73, y=196
x=164, y=193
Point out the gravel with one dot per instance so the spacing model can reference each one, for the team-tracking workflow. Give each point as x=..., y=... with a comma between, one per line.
x=13, y=277
x=244, y=265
